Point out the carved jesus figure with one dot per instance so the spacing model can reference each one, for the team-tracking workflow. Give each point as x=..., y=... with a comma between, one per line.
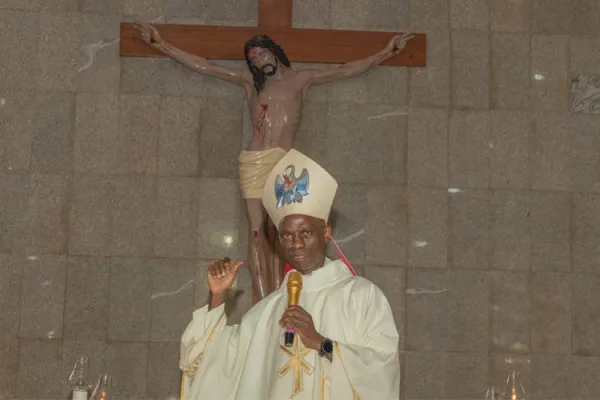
x=275, y=92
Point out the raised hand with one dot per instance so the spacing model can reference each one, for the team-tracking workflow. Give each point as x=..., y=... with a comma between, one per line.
x=221, y=275
x=148, y=33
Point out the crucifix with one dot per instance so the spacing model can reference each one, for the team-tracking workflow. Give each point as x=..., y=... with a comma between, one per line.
x=274, y=90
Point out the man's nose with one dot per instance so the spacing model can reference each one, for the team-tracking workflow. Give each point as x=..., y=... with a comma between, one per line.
x=298, y=243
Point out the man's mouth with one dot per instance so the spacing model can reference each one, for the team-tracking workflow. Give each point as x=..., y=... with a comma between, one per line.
x=299, y=257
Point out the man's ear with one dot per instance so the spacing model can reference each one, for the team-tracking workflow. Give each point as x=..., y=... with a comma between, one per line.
x=327, y=233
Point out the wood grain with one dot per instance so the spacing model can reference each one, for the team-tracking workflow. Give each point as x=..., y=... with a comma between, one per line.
x=300, y=45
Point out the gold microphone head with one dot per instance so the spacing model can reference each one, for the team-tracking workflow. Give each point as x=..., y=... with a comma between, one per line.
x=294, y=286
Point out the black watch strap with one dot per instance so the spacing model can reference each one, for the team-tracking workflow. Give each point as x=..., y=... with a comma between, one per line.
x=326, y=347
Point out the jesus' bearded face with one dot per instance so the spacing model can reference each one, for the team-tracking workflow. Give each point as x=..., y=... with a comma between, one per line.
x=263, y=59
x=303, y=242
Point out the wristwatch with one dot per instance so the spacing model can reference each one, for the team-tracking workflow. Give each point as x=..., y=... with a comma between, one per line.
x=326, y=348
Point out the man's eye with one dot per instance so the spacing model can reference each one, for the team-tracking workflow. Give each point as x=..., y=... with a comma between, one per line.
x=306, y=233
x=287, y=236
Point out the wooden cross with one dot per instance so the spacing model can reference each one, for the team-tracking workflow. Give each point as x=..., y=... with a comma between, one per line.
x=275, y=20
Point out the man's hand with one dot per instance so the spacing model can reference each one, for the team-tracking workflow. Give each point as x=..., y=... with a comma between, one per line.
x=221, y=275
x=148, y=33
x=296, y=318
x=398, y=43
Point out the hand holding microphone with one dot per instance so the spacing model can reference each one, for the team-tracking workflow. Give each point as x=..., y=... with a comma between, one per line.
x=296, y=320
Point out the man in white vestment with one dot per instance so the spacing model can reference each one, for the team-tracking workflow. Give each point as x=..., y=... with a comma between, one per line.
x=345, y=345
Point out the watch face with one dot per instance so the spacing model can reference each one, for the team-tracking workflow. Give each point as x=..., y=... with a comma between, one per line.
x=327, y=346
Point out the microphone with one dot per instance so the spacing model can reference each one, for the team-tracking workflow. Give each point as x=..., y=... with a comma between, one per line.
x=294, y=286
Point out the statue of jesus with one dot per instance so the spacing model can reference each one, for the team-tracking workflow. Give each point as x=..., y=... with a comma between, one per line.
x=275, y=92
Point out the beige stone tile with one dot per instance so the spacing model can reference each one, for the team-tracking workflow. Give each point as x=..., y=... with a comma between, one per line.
x=509, y=312
x=381, y=85
x=13, y=211
x=386, y=234
x=313, y=14
x=469, y=149
x=86, y=302
x=551, y=376
x=552, y=16
x=133, y=216
x=96, y=133
x=238, y=12
x=9, y=365
x=127, y=363
x=164, y=376
x=510, y=16
x=90, y=217
x=186, y=8
x=585, y=55
x=43, y=297
x=348, y=219
x=19, y=47
x=138, y=134
x=427, y=147
x=429, y=14
x=39, y=369
x=551, y=312
x=179, y=137
x=58, y=50
x=219, y=215
x=585, y=228
x=47, y=214
x=143, y=75
x=428, y=228
x=357, y=157
x=176, y=220
x=586, y=17
x=470, y=86
x=129, y=308
x=469, y=14
x=102, y=73
x=551, y=156
x=430, y=86
x=11, y=274
x=512, y=135
x=361, y=14
x=470, y=241
x=221, y=130
x=392, y=282
x=549, y=69
x=510, y=230
x=511, y=75
x=52, y=140
x=172, y=299
x=550, y=229
x=17, y=122
x=585, y=158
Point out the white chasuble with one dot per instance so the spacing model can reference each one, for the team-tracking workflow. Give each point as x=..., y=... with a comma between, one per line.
x=249, y=361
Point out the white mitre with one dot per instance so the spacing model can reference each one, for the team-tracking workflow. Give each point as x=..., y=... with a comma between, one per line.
x=298, y=185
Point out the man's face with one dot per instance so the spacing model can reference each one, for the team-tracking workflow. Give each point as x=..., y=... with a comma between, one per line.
x=303, y=241
x=263, y=59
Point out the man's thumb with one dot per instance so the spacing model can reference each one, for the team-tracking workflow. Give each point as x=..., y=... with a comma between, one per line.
x=237, y=266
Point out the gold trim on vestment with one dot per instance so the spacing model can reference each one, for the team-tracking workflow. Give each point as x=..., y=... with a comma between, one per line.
x=190, y=370
x=297, y=363
x=339, y=353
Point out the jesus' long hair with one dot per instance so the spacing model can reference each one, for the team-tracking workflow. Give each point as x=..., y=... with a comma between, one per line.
x=265, y=42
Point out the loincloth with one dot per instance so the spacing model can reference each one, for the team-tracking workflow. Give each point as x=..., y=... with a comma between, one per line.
x=255, y=167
